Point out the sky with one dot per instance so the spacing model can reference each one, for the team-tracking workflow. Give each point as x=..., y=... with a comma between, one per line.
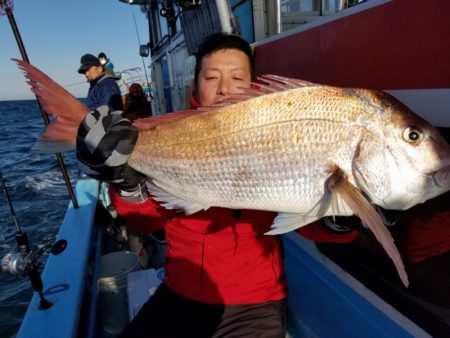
x=57, y=33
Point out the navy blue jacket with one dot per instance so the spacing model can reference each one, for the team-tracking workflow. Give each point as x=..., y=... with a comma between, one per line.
x=104, y=90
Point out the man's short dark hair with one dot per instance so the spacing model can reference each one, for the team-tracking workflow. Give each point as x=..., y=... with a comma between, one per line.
x=219, y=41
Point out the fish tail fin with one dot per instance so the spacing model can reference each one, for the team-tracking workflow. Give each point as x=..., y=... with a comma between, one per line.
x=58, y=137
x=338, y=184
x=68, y=111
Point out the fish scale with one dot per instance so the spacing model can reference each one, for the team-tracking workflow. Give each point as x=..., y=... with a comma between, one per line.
x=254, y=146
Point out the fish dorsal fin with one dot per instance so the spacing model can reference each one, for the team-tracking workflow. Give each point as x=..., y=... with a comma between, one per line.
x=267, y=84
x=150, y=122
x=172, y=117
x=338, y=184
x=285, y=222
x=274, y=83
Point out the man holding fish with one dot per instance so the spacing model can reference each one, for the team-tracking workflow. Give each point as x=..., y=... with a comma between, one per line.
x=223, y=276
x=269, y=160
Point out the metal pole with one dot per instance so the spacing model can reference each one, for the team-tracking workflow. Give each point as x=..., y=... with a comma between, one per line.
x=21, y=46
x=278, y=17
x=224, y=16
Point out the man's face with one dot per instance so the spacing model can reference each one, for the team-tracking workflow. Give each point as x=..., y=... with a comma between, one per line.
x=222, y=73
x=93, y=72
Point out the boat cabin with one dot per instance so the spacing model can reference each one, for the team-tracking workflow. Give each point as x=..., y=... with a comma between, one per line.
x=378, y=44
x=375, y=44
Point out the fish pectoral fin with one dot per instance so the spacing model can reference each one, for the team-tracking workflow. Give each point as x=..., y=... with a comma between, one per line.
x=285, y=222
x=338, y=184
x=170, y=201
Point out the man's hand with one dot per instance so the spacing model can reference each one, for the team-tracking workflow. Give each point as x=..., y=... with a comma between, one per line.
x=105, y=140
x=343, y=224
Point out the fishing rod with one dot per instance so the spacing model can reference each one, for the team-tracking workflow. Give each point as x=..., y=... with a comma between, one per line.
x=6, y=6
x=24, y=262
x=75, y=84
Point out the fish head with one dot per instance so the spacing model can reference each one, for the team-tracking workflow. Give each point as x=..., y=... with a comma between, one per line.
x=403, y=160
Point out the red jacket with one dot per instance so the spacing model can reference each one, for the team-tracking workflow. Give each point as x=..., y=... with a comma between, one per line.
x=219, y=256
x=425, y=231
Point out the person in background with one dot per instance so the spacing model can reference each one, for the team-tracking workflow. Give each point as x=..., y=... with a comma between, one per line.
x=223, y=276
x=103, y=88
x=135, y=103
x=106, y=63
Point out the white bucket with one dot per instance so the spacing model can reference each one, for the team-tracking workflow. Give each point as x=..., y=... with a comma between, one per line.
x=112, y=288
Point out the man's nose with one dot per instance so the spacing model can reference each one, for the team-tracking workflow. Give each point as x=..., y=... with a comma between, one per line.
x=224, y=87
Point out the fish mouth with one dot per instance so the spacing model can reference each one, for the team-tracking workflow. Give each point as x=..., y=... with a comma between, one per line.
x=441, y=177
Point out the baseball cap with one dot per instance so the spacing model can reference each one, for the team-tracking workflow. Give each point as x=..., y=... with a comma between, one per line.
x=88, y=61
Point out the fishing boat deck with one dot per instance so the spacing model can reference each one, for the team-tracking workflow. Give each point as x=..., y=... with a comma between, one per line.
x=326, y=300
x=378, y=274
x=65, y=275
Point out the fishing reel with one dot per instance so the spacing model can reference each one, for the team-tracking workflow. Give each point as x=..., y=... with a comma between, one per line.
x=24, y=261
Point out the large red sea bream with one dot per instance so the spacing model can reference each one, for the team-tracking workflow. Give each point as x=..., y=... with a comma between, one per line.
x=301, y=149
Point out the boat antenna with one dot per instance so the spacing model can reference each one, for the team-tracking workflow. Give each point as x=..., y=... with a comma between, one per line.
x=6, y=7
x=24, y=262
x=143, y=63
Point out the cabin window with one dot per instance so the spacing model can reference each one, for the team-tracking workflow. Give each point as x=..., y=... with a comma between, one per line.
x=297, y=12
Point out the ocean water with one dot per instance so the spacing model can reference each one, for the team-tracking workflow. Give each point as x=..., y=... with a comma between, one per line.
x=39, y=196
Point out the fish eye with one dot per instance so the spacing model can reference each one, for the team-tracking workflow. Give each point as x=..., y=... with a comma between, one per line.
x=412, y=135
